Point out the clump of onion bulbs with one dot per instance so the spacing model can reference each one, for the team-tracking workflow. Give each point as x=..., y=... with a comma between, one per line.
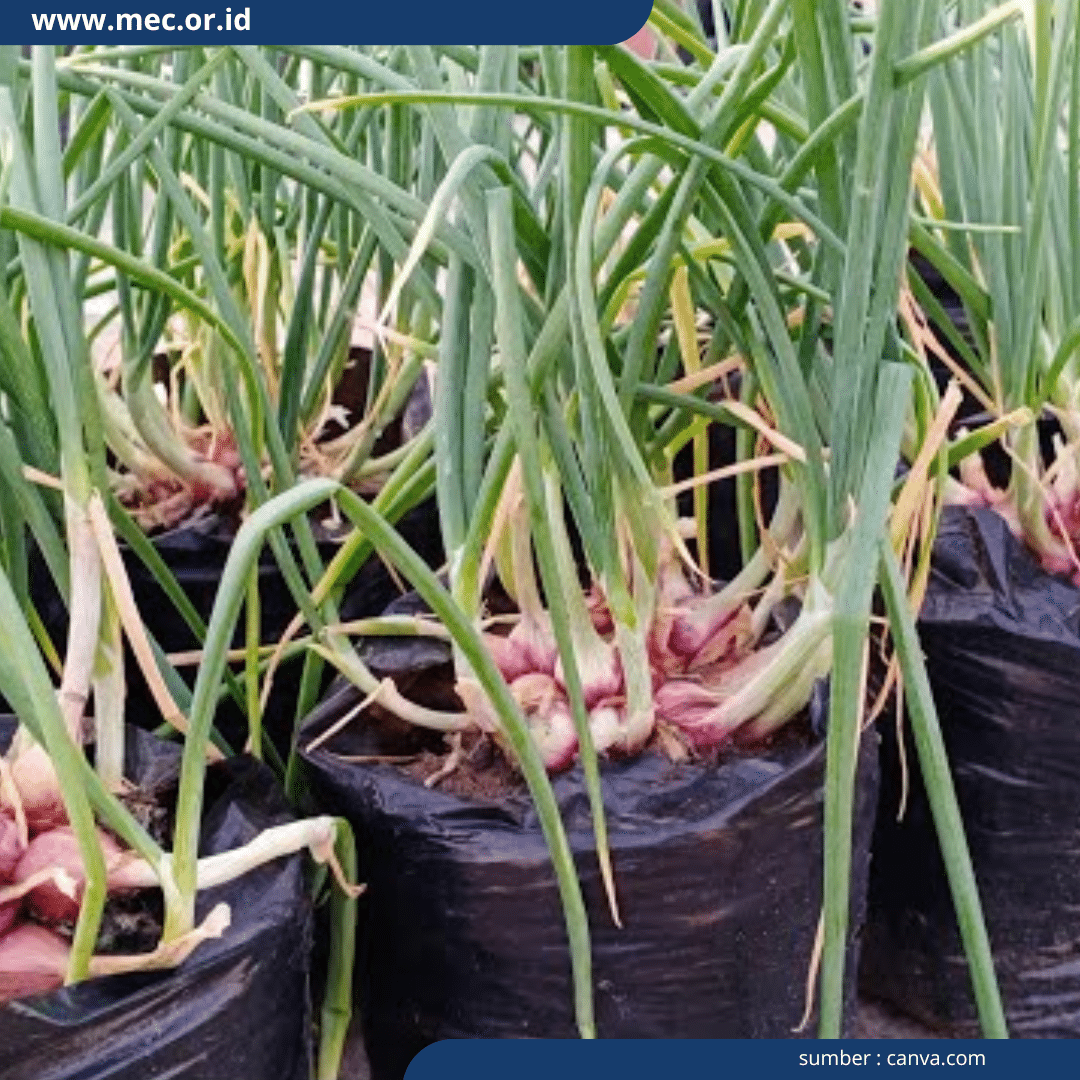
x=690, y=667
x=40, y=891
x=42, y=877
x=41, y=872
x=1041, y=505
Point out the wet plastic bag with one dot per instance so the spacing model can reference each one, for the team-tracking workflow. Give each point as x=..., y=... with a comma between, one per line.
x=1002, y=645
x=237, y=1008
x=719, y=877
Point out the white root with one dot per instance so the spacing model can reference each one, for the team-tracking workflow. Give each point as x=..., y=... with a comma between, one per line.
x=453, y=760
x=348, y=718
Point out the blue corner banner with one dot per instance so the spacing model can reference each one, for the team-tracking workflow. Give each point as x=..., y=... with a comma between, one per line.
x=319, y=22
x=762, y=1059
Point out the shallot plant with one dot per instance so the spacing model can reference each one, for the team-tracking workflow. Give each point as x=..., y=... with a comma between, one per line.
x=617, y=226
x=168, y=168
x=1002, y=208
x=561, y=230
x=54, y=803
x=286, y=258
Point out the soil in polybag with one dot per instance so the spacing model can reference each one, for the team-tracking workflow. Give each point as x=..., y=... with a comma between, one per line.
x=1002, y=645
x=719, y=877
x=237, y=1008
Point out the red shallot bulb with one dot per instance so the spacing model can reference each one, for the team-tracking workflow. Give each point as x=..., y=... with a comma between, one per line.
x=555, y=736
x=691, y=708
x=59, y=848
x=9, y=912
x=10, y=848
x=32, y=960
x=38, y=787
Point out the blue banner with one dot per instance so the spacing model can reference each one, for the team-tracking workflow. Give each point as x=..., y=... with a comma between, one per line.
x=747, y=1059
x=318, y=22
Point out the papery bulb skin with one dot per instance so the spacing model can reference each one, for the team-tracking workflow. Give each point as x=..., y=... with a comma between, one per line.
x=9, y=913
x=509, y=656
x=599, y=612
x=683, y=700
x=600, y=672
x=725, y=644
x=690, y=707
x=11, y=850
x=533, y=637
x=555, y=736
x=1058, y=553
x=1068, y=510
x=215, y=475
x=477, y=706
x=622, y=735
x=709, y=711
x=1054, y=562
x=535, y=692
x=966, y=496
x=702, y=637
x=528, y=647
x=730, y=678
x=223, y=487
x=674, y=598
x=223, y=474
x=606, y=723
x=59, y=848
x=32, y=961
x=980, y=491
x=731, y=711
x=548, y=715
x=976, y=491
x=39, y=789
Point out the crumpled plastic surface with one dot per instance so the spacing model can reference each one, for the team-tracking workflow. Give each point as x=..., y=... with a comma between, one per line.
x=237, y=1009
x=719, y=882
x=1002, y=645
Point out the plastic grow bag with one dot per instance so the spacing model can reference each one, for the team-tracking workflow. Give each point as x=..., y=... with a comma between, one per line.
x=1002, y=645
x=237, y=1008
x=719, y=877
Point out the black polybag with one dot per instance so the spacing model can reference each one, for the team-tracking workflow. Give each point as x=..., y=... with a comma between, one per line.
x=1002, y=645
x=462, y=933
x=238, y=1007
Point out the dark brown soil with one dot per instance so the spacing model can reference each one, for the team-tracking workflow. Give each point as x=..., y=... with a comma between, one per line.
x=476, y=767
x=152, y=812
x=131, y=924
x=480, y=769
